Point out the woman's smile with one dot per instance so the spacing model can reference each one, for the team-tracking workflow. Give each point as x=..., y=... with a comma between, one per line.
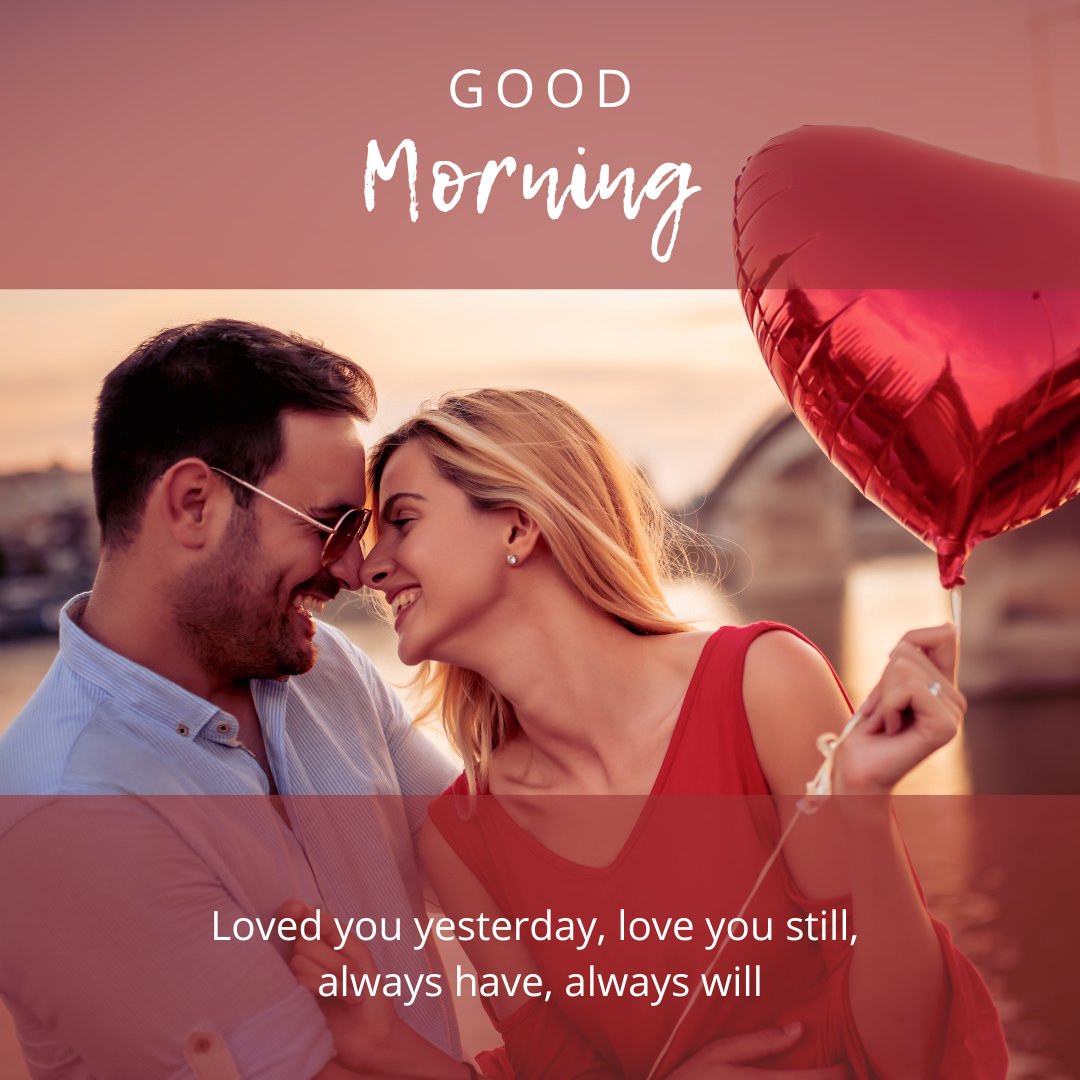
x=401, y=602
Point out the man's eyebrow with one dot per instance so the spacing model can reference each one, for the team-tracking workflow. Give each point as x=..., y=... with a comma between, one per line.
x=397, y=497
x=334, y=511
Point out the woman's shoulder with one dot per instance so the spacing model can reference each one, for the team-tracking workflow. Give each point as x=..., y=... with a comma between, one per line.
x=727, y=651
x=771, y=653
x=690, y=650
x=781, y=664
x=791, y=695
x=760, y=695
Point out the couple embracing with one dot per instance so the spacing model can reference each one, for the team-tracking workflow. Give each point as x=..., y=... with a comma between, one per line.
x=205, y=752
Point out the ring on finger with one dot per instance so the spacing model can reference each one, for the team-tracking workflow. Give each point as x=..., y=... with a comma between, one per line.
x=935, y=689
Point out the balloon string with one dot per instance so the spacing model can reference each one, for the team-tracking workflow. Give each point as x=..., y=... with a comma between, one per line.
x=954, y=601
x=818, y=791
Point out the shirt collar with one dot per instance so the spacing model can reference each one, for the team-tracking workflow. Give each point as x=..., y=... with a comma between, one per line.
x=145, y=691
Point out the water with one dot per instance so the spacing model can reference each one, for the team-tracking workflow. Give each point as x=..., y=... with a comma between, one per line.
x=999, y=870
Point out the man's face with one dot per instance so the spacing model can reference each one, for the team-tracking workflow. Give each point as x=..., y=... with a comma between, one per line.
x=248, y=610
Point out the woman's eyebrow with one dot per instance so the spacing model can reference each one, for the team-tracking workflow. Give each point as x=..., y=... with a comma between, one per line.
x=397, y=497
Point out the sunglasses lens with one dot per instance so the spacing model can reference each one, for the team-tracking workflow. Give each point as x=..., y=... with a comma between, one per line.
x=349, y=529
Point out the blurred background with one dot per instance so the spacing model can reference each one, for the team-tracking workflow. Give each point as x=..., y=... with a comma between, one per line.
x=676, y=379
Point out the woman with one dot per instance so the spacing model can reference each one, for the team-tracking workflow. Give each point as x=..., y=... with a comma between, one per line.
x=522, y=561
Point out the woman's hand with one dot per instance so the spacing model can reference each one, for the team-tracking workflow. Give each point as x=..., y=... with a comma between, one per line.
x=914, y=710
x=363, y=1028
x=732, y=1058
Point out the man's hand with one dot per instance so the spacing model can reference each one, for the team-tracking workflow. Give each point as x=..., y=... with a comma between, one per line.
x=732, y=1058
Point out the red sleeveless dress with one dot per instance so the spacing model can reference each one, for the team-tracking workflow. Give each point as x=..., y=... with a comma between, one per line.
x=698, y=844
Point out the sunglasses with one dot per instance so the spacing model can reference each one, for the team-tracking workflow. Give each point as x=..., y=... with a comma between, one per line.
x=350, y=528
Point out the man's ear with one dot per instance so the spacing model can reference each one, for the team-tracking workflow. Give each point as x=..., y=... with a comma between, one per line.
x=522, y=534
x=194, y=502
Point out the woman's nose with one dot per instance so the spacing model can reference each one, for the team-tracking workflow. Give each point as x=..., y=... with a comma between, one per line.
x=376, y=568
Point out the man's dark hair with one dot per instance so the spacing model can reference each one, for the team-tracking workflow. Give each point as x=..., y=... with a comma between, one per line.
x=214, y=390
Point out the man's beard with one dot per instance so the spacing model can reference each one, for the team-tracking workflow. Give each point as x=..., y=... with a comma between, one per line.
x=234, y=615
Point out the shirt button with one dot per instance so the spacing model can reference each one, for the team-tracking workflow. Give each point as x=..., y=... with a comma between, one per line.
x=223, y=728
x=208, y=1055
x=182, y=729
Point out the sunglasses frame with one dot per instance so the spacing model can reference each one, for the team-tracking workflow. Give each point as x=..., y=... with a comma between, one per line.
x=330, y=552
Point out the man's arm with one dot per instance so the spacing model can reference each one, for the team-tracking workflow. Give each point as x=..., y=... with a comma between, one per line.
x=108, y=942
x=422, y=767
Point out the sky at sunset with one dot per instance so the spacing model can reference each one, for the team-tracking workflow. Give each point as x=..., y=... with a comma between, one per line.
x=674, y=377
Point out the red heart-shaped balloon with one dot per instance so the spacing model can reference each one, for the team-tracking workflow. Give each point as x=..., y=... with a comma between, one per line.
x=920, y=311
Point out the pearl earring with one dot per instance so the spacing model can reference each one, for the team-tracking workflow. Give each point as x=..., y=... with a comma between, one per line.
x=512, y=560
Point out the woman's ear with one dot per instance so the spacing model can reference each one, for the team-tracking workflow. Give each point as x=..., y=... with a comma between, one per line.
x=522, y=536
x=193, y=504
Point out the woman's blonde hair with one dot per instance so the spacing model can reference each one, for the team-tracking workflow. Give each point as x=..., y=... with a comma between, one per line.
x=598, y=516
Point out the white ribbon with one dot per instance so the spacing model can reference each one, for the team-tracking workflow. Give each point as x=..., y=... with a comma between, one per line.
x=819, y=789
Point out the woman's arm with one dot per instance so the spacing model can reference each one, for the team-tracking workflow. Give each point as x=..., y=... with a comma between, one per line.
x=896, y=983
x=539, y=1040
x=370, y=1038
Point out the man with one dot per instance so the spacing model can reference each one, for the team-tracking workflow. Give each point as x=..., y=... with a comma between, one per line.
x=228, y=475
x=202, y=750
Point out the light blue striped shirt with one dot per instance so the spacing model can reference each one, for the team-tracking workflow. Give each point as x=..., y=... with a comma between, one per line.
x=355, y=778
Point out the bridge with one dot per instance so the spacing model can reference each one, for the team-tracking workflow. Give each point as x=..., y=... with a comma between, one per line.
x=803, y=528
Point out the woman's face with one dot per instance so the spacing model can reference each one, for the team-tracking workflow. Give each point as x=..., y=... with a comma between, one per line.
x=440, y=562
